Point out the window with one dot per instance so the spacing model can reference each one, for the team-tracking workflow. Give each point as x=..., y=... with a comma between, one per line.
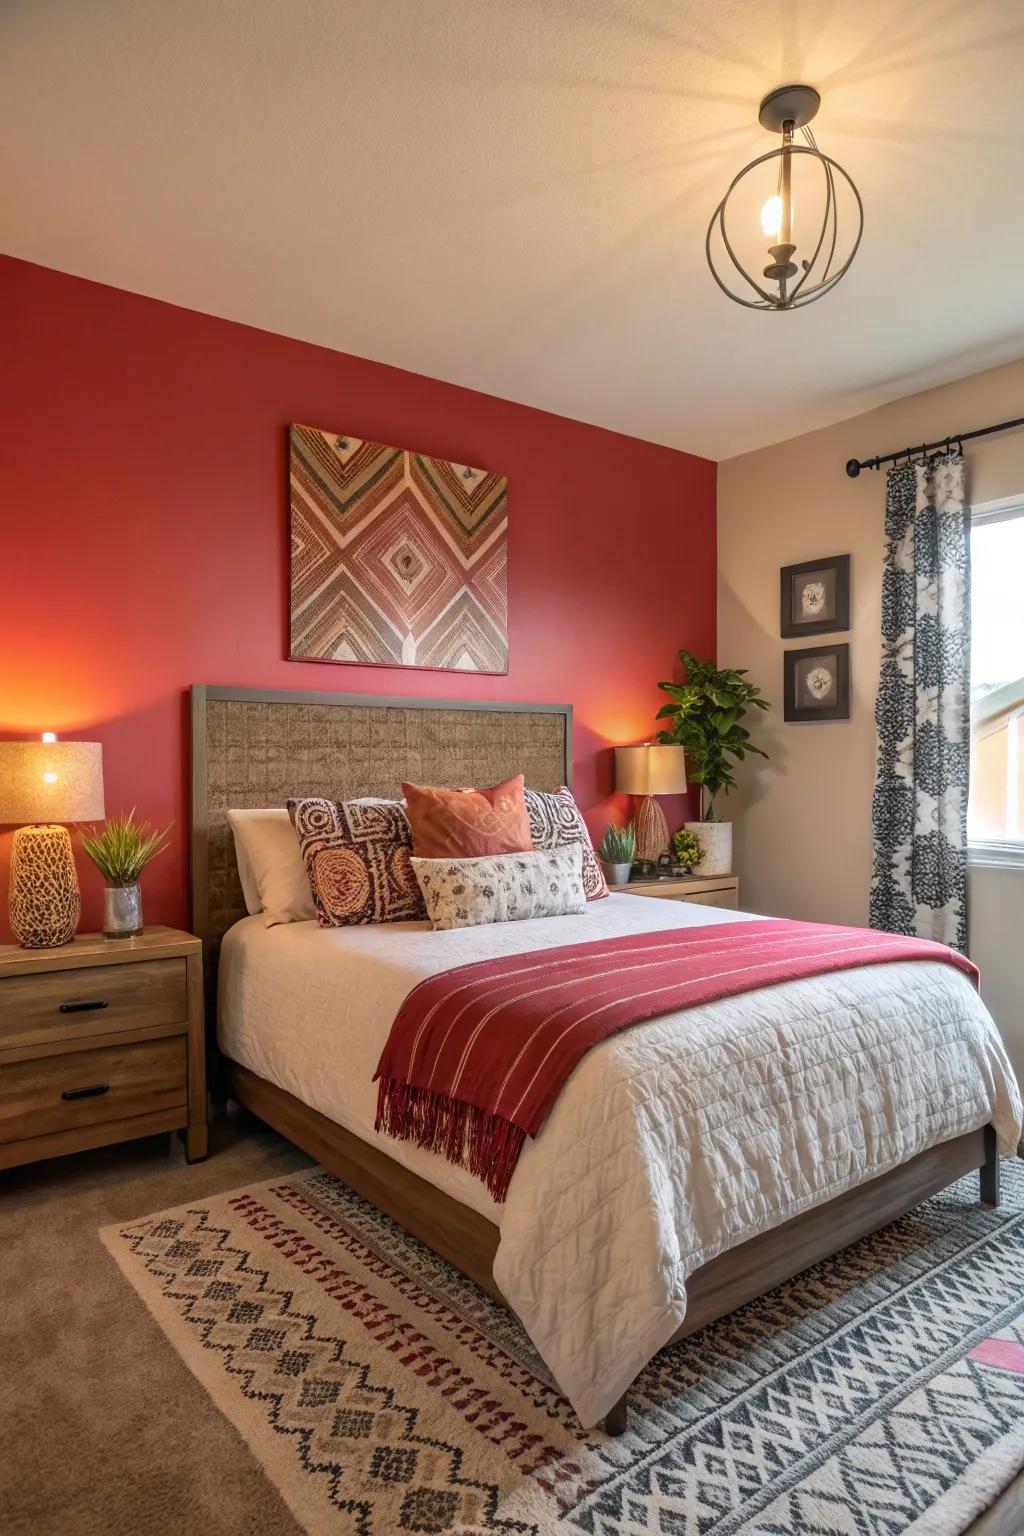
x=995, y=818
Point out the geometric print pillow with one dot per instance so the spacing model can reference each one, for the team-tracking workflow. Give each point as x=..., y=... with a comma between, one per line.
x=357, y=858
x=555, y=822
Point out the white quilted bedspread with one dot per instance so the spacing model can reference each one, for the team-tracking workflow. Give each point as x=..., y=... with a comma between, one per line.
x=671, y=1142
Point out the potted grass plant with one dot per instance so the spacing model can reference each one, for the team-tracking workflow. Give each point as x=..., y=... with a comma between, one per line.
x=121, y=851
x=617, y=851
x=707, y=712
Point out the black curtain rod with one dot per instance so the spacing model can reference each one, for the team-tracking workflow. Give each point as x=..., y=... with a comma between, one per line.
x=854, y=466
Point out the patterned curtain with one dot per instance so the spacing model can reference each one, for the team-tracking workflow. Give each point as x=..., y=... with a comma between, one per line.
x=923, y=710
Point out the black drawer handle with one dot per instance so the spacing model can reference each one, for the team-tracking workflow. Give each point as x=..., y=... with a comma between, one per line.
x=81, y=1007
x=86, y=1093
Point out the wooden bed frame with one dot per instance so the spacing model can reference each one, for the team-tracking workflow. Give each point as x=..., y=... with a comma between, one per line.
x=248, y=744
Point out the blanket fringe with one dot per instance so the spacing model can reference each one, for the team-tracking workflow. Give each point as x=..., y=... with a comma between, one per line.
x=487, y=1145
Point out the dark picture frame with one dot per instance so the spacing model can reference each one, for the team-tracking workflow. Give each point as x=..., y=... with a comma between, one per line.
x=805, y=673
x=827, y=581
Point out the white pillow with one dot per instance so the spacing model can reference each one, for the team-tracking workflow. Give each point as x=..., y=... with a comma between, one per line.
x=250, y=890
x=502, y=887
x=270, y=866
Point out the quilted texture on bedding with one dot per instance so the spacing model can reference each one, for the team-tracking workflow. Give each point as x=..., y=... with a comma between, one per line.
x=671, y=1142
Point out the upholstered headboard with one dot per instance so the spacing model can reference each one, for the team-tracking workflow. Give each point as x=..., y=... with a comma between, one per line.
x=256, y=747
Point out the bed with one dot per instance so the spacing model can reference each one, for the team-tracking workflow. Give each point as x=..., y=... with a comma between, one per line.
x=670, y=1184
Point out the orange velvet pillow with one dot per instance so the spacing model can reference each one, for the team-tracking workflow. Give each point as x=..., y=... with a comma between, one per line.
x=468, y=823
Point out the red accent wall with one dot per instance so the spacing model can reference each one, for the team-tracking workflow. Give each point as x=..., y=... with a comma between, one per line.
x=144, y=542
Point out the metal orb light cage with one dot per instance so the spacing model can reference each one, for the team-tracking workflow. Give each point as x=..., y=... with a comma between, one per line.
x=799, y=275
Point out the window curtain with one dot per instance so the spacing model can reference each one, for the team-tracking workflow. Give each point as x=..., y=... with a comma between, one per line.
x=922, y=714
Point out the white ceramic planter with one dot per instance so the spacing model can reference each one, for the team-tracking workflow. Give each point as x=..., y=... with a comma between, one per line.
x=616, y=874
x=716, y=842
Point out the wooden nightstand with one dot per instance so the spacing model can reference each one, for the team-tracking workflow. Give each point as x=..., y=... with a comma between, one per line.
x=100, y=1041
x=705, y=890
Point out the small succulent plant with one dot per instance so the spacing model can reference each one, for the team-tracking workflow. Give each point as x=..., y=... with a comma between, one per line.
x=618, y=845
x=686, y=849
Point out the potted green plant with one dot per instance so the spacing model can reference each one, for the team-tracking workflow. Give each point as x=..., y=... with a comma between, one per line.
x=686, y=849
x=617, y=851
x=707, y=712
x=121, y=852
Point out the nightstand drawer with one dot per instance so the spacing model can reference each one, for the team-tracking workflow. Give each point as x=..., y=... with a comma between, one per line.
x=701, y=890
x=100, y=999
x=79, y=1088
x=712, y=899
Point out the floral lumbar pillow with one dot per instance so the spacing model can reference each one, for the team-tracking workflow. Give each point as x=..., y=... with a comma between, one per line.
x=357, y=858
x=506, y=888
x=556, y=822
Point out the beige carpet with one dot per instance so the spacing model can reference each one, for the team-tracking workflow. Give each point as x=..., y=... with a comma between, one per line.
x=103, y=1428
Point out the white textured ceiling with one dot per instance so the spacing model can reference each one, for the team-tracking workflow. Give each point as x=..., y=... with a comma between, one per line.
x=513, y=194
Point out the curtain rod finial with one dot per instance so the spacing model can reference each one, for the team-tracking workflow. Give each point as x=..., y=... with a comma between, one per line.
x=852, y=468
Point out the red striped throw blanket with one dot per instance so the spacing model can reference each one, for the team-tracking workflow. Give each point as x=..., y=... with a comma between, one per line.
x=477, y=1055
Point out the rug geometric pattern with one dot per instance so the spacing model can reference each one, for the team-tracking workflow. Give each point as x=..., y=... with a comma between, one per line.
x=396, y=558
x=383, y=1391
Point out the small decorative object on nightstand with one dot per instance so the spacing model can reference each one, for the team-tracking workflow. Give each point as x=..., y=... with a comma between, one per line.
x=712, y=891
x=121, y=852
x=101, y=1042
x=46, y=783
x=618, y=845
x=687, y=851
x=650, y=770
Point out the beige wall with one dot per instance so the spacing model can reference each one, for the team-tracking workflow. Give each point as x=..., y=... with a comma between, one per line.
x=803, y=821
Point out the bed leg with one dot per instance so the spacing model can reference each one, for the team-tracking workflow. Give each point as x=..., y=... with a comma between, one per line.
x=989, y=1170
x=615, y=1418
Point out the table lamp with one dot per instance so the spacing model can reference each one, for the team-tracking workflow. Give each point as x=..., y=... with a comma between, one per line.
x=45, y=783
x=650, y=769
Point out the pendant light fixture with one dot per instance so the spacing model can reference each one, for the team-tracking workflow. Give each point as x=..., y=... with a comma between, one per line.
x=808, y=252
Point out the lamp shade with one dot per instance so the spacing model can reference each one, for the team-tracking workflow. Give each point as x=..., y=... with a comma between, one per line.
x=51, y=781
x=650, y=769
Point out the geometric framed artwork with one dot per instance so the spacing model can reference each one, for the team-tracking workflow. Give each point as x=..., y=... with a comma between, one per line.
x=397, y=559
x=815, y=597
x=816, y=683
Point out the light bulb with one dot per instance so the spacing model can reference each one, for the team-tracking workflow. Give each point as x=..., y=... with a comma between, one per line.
x=771, y=217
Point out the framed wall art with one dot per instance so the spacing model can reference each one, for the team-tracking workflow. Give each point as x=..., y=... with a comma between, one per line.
x=815, y=597
x=397, y=559
x=816, y=683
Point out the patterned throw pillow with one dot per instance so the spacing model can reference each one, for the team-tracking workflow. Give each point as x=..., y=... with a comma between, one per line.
x=508, y=888
x=555, y=822
x=357, y=857
x=468, y=823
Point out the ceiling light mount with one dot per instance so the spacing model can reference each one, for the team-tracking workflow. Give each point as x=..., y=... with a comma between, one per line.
x=803, y=270
x=796, y=104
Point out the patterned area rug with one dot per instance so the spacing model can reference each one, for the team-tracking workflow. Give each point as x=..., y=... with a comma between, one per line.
x=880, y=1392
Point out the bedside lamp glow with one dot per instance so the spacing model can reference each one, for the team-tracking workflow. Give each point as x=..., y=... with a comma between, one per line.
x=649, y=770
x=46, y=783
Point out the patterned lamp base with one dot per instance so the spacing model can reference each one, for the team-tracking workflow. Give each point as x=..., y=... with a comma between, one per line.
x=651, y=830
x=46, y=902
